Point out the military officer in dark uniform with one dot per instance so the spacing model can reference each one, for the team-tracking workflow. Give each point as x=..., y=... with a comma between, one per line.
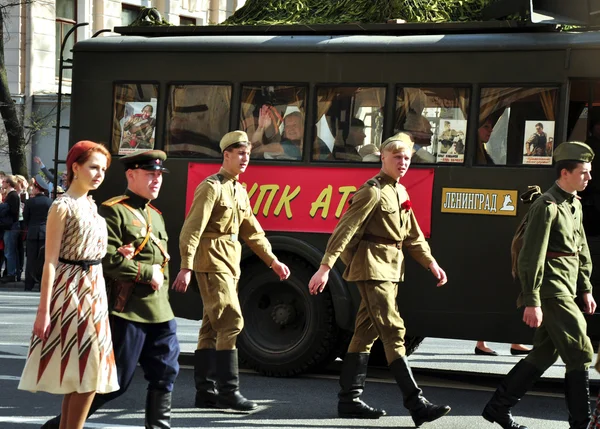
x=554, y=266
x=380, y=213
x=209, y=245
x=135, y=267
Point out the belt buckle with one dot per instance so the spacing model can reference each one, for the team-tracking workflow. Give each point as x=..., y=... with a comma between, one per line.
x=233, y=237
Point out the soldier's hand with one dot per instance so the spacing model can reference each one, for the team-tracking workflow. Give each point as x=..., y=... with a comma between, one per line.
x=589, y=303
x=280, y=269
x=158, y=277
x=183, y=280
x=319, y=280
x=438, y=273
x=533, y=316
x=127, y=250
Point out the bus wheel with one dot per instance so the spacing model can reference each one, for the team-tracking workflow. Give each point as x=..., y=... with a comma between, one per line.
x=286, y=330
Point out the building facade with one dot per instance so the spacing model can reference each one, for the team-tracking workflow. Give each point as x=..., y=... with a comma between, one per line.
x=33, y=34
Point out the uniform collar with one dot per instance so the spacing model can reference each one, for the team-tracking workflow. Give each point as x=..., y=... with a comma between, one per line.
x=135, y=200
x=564, y=194
x=228, y=175
x=385, y=179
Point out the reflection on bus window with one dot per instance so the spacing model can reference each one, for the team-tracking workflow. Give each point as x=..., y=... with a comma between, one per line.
x=273, y=117
x=437, y=120
x=134, y=117
x=197, y=118
x=349, y=124
x=516, y=126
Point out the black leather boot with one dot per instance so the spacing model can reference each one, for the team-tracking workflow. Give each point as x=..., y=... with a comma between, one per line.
x=228, y=382
x=54, y=423
x=577, y=394
x=352, y=382
x=421, y=410
x=205, y=378
x=158, y=409
x=512, y=388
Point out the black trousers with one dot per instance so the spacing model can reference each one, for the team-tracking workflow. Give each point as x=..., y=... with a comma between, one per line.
x=34, y=259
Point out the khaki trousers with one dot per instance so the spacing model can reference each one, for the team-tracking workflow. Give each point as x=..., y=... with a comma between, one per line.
x=562, y=333
x=378, y=317
x=222, y=319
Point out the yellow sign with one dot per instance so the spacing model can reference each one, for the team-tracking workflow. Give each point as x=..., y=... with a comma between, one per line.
x=479, y=201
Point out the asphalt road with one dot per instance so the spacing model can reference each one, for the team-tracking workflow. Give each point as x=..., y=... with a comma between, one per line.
x=302, y=402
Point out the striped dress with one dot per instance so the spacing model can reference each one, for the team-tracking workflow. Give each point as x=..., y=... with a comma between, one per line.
x=78, y=354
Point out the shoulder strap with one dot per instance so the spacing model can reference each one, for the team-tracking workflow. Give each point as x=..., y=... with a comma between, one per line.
x=115, y=200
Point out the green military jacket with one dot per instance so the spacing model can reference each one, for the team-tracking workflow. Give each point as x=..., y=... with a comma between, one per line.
x=145, y=305
x=221, y=214
x=555, y=226
x=374, y=261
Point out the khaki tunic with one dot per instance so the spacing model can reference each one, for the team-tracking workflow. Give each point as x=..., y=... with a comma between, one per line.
x=373, y=261
x=221, y=213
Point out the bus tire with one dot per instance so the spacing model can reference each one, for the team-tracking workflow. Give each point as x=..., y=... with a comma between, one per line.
x=286, y=331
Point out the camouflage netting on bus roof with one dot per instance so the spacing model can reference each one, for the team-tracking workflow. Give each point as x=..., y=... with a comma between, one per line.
x=272, y=12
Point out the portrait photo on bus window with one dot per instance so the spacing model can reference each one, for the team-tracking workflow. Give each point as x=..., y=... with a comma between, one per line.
x=134, y=117
x=516, y=125
x=436, y=118
x=349, y=124
x=274, y=119
x=197, y=118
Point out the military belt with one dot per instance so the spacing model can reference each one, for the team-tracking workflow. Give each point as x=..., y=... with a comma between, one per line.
x=220, y=236
x=382, y=240
x=552, y=255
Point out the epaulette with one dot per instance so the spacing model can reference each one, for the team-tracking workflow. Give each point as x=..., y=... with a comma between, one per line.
x=549, y=202
x=215, y=178
x=115, y=200
x=154, y=208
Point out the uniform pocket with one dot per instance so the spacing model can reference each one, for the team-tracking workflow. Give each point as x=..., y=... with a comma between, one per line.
x=388, y=208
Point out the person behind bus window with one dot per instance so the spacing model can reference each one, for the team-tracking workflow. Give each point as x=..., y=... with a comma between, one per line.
x=292, y=137
x=419, y=127
x=370, y=153
x=554, y=266
x=484, y=133
x=356, y=138
x=381, y=210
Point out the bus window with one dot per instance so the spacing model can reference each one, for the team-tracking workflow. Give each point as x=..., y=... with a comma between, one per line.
x=349, y=123
x=584, y=126
x=273, y=117
x=516, y=126
x=437, y=120
x=197, y=118
x=134, y=117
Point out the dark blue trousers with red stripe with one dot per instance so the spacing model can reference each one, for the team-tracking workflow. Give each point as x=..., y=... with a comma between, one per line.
x=153, y=345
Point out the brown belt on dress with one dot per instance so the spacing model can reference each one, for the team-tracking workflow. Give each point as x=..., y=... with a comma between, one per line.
x=552, y=255
x=382, y=240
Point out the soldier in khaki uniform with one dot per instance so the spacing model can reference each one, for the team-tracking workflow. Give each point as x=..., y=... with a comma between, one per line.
x=143, y=326
x=554, y=266
x=380, y=212
x=209, y=245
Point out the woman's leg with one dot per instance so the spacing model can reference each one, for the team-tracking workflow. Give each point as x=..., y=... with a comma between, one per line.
x=75, y=410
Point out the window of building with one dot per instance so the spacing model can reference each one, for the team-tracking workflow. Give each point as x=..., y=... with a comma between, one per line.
x=129, y=13
x=274, y=118
x=184, y=20
x=437, y=120
x=197, y=117
x=349, y=123
x=66, y=13
x=516, y=126
x=134, y=117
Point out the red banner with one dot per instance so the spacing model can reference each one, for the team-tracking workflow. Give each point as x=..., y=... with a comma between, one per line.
x=312, y=199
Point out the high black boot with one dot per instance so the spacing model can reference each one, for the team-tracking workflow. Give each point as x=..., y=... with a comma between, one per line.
x=158, y=409
x=54, y=422
x=352, y=382
x=512, y=388
x=421, y=410
x=228, y=382
x=577, y=394
x=205, y=378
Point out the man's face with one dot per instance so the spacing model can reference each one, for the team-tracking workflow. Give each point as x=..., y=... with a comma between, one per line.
x=357, y=136
x=147, y=112
x=293, y=128
x=577, y=179
x=145, y=183
x=395, y=164
x=539, y=129
x=236, y=160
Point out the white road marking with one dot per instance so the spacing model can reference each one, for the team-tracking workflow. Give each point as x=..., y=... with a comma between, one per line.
x=10, y=377
x=37, y=421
